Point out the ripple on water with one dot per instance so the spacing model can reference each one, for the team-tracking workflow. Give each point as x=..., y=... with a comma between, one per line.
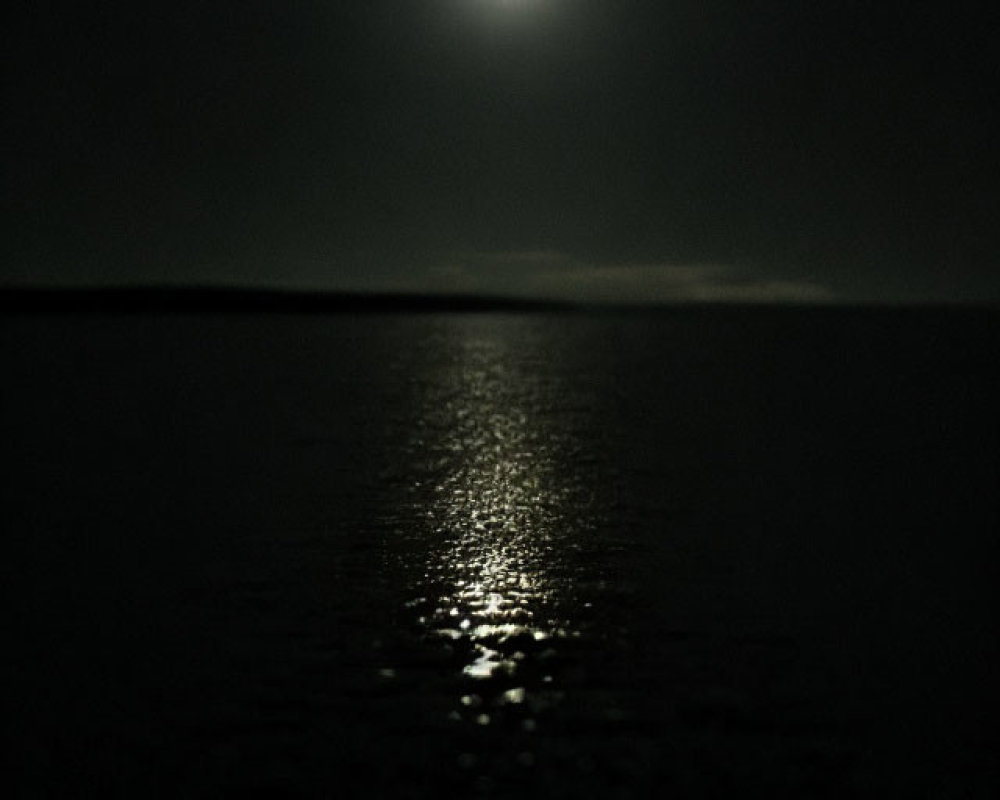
x=504, y=490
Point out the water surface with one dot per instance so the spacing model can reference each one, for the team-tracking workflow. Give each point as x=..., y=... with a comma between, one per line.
x=506, y=555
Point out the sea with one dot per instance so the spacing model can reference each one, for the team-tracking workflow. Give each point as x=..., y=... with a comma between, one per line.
x=690, y=552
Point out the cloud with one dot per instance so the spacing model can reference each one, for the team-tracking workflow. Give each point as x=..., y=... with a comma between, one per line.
x=557, y=275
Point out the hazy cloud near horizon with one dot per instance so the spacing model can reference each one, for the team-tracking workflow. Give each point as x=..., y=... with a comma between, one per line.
x=559, y=276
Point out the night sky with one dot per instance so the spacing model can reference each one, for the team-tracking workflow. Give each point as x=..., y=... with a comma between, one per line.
x=621, y=150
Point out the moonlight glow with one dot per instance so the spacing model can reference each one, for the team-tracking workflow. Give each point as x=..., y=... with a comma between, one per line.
x=508, y=8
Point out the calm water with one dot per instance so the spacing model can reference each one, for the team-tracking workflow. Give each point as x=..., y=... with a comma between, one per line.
x=523, y=555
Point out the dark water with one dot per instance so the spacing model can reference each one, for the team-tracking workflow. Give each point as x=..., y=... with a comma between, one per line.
x=704, y=553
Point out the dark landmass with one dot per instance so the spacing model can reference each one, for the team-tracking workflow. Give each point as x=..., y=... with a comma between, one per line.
x=232, y=299
x=212, y=299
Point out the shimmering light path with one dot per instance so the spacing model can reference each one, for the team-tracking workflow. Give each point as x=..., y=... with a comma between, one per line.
x=508, y=500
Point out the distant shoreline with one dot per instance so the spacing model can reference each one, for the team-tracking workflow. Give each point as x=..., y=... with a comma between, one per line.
x=213, y=299
x=197, y=299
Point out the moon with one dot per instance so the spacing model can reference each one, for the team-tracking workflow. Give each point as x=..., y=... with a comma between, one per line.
x=511, y=5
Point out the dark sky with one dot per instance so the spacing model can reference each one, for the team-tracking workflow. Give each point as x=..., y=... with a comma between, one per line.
x=623, y=150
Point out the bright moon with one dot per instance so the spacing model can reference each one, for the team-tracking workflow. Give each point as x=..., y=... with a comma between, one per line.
x=514, y=4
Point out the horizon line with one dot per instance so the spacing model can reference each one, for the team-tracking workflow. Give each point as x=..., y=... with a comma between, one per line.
x=250, y=297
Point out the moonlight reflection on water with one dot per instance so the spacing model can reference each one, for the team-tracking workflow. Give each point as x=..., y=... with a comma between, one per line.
x=508, y=498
